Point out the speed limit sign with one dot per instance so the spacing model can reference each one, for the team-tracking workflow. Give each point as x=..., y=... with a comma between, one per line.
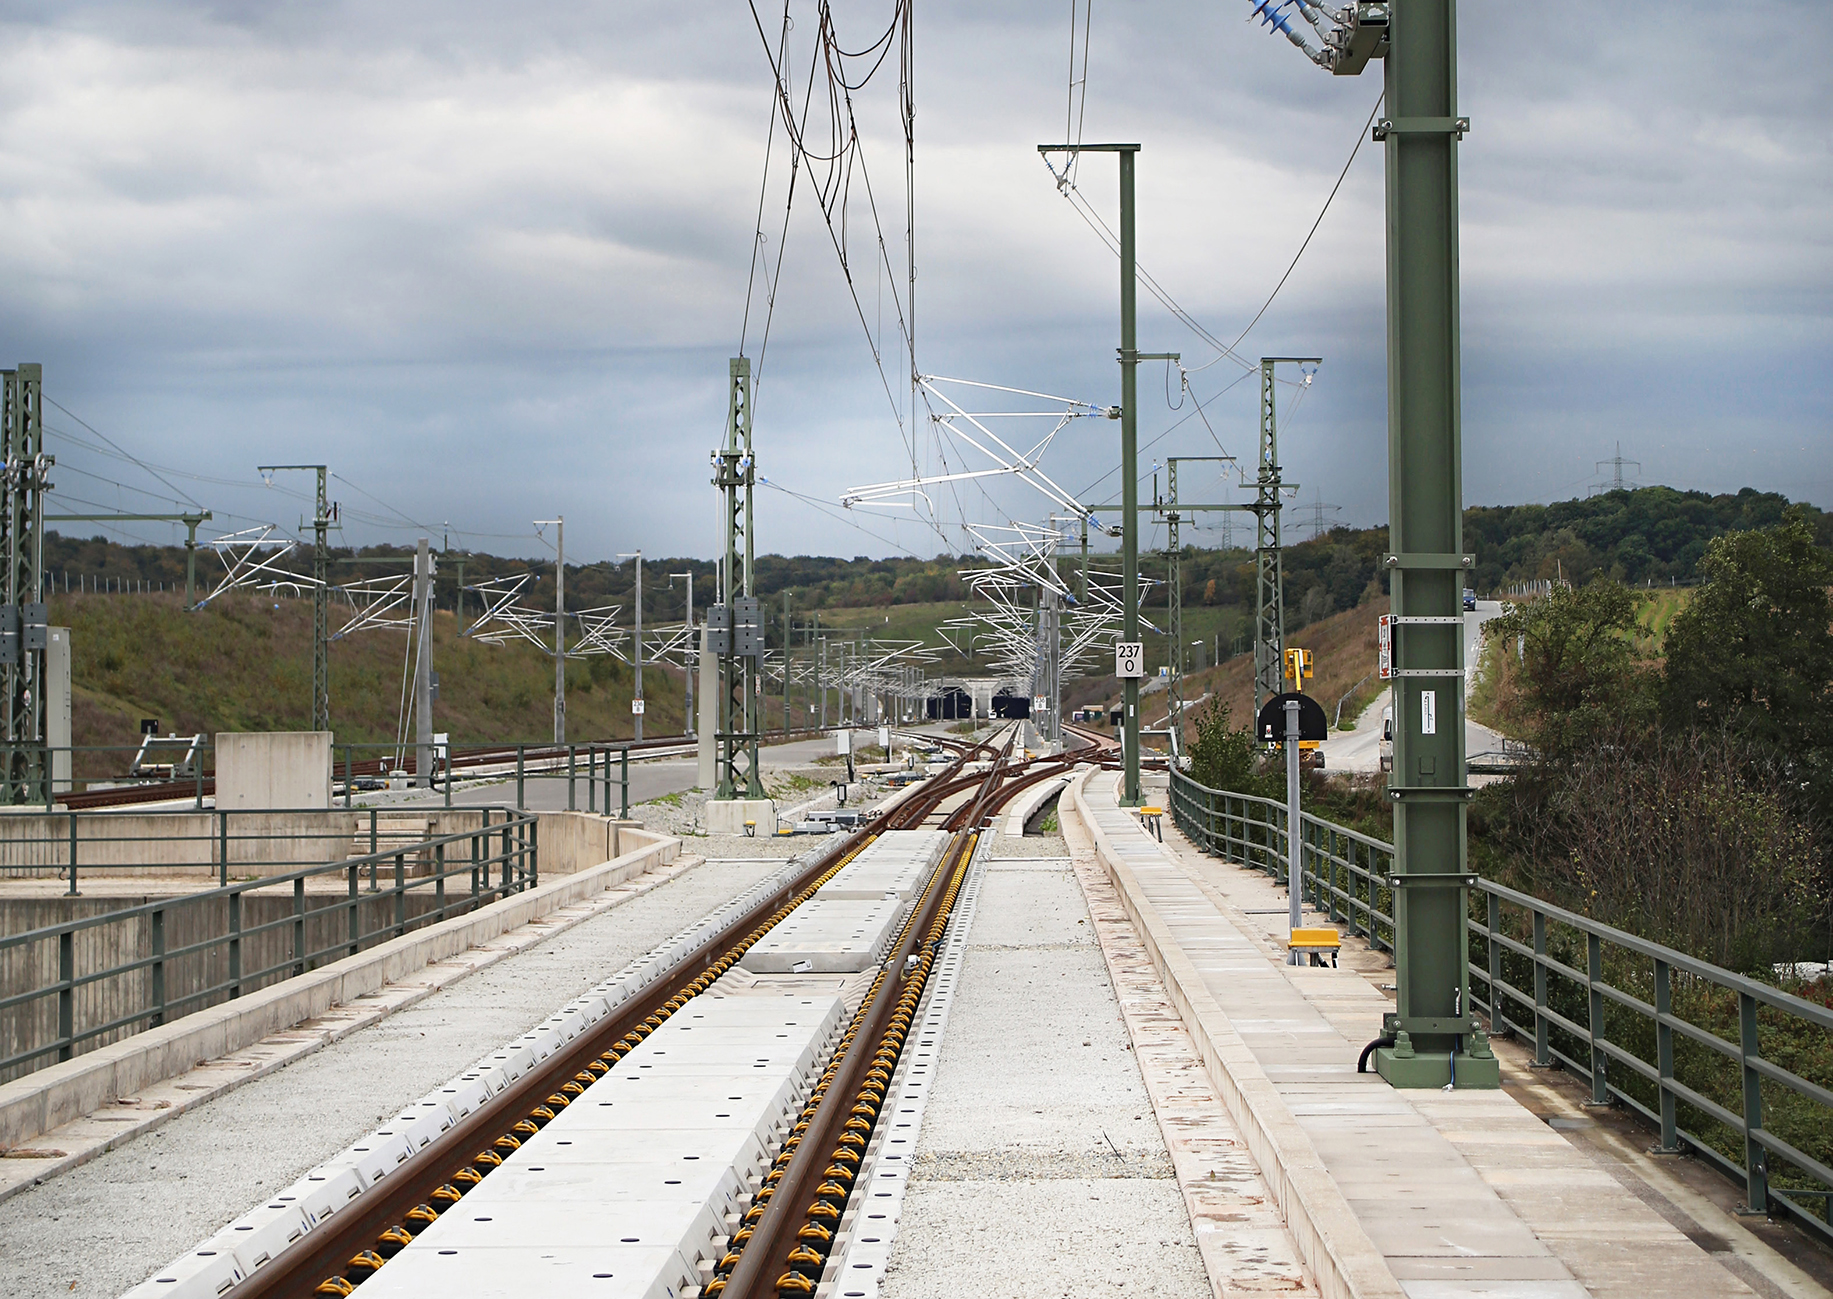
x=1129, y=659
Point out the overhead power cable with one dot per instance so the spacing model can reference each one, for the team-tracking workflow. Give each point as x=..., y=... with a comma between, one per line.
x=1066, y=186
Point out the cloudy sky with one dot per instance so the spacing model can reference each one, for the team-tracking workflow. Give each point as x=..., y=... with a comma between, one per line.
x=490, y=266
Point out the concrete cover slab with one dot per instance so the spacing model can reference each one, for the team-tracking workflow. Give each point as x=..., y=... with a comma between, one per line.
x=823, y=937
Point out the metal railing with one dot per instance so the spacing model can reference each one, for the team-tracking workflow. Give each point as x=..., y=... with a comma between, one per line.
x=597, y=756
x=355, y=769
x=1713, y=1060
x=90, y=979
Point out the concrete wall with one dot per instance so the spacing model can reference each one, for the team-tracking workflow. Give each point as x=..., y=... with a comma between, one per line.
x=262, y=769
x=575, y=841
x=62, y=1092
x=569, y=843
x=323, y=928
x=188, y=843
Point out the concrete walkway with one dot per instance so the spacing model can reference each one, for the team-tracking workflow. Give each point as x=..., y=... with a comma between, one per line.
x=1039, y=1171
x=1427, y=1194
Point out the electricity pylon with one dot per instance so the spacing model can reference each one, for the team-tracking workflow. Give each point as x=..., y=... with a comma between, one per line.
x=321, y=598
x=735, y=625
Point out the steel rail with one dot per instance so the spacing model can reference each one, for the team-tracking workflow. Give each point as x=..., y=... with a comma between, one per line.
x=462, y=759
x=789, y=1218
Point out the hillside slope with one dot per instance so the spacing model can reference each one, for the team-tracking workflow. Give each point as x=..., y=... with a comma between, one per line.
x=1344, y=648
x=245, y=663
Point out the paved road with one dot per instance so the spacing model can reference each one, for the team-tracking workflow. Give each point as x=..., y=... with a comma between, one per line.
x=649, y=779
x=1360, y=750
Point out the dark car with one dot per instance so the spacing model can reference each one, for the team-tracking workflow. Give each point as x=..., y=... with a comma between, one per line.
x=1470, y=599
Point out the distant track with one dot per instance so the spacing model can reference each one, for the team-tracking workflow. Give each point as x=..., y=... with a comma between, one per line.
x=537, y=759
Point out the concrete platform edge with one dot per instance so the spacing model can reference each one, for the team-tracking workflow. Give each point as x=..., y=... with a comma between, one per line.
x=1331, y=1240
x=1025, y=806
x=62, y=1093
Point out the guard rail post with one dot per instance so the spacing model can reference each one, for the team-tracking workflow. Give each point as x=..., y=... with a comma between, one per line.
x=235, y=944
x=592, y=779
x=1594, y=979
x=572, y=768
x=222, y=841
x=1496, y=1013
x=400, y=894
x=439, y=879
x=474, y=856
x=374, y=848
x=1664, y=1057
x=72, y=854
x=534, y=854
x=66, y=995
x=197, y=770
x=158, y=945
x=1543, y=1059
x=352, y=906
x=624, y=777
x=521, y=797
x=349, y=776
x=1756, y=1171
x=299, y=945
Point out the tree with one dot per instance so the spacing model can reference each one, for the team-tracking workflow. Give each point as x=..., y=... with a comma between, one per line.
x=1753, y=651
x=1226, y=757
x=1576, y=674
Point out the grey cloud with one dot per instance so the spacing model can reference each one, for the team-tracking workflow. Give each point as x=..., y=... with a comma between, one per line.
x=491, y=266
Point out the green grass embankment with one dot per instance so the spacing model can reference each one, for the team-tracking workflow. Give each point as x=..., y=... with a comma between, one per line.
x=245, y=664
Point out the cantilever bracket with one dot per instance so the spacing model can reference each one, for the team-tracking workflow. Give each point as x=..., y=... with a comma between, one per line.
x=1422, y=560
x=1421, y=126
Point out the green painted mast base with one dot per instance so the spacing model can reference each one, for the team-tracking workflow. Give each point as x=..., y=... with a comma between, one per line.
x=1434, y=1069
x=1474, y=1066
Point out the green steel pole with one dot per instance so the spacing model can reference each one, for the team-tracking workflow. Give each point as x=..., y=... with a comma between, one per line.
x=191, y=560
x=1129, y=453
x=1129, y=472
x=1436, y=1037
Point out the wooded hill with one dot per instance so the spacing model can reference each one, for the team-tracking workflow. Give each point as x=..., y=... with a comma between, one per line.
x=1649, y=535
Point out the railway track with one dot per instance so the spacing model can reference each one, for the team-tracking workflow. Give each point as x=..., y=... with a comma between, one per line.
x=781, y=1245
x=473, y=760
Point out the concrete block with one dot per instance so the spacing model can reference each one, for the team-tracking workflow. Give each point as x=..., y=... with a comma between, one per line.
x=895, y=864
x=823, y=937
x=378, y=1155
x=479, y=1273
x=462, y=1095
x=204, y=1273
x=273, y=769
x=323, y=1191
x=424, y=1121
x=257, y=1236
x=728, y=815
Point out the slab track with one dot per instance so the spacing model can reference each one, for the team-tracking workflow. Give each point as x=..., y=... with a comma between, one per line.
x=782, y=1244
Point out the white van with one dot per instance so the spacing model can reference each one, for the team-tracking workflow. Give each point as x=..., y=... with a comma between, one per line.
x=1387, y=738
